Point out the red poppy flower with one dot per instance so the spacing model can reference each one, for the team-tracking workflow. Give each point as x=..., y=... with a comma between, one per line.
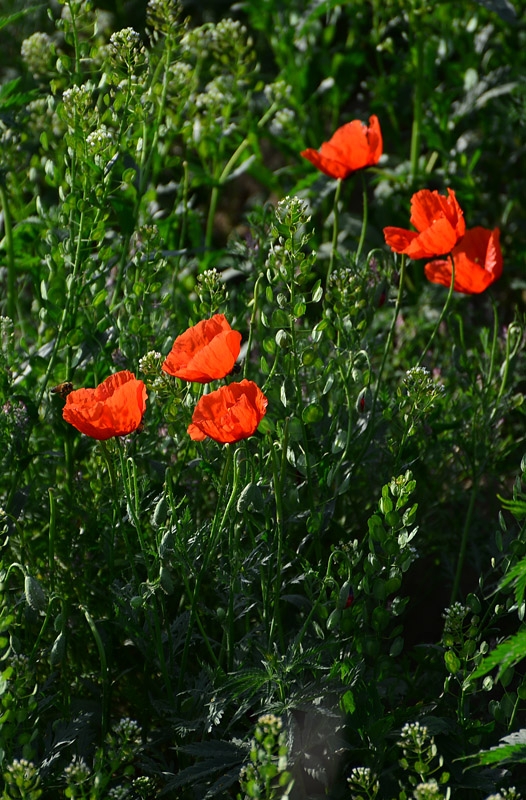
x=353, y=146
x=478, y=262
x=114, y=408
x=205, y=352
x=439, y=221
x=229, y=414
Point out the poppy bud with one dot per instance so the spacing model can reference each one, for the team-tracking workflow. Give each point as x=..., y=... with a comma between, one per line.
x=36, y=599
x=58, y=650
x=346, y=596
x=160, y=512
x=364, y=401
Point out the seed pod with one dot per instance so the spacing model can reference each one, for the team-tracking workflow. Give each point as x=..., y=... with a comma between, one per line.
x=36, y=599
x=160, y=513
x=58, y=650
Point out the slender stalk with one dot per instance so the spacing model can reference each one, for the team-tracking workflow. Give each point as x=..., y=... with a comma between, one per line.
x=277, y=475
x=365, y=214
x=464, y=540
x=104, y=671
x=217, y=526
x=52, y=532
x=252, y=324
x=387, y=349
x=335, y=226
x=11, y=268
x=72, y=289
x=442, y=314
x=416, y=128
x=225, y=173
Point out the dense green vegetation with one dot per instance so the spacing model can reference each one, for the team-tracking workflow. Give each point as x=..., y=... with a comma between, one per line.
x=307, y=585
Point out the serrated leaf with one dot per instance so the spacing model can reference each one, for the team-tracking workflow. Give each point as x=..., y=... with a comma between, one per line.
x=516, y=575
x=503, y=8
x=511, y=750
x=508, y=653
x=4, y=21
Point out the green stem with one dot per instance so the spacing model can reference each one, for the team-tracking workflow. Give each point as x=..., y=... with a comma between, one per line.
x=335, y=226
x=387, y=348
x=364, y=218
x=442, y=314
x=103, y=669
x=417, y=105
x=72, y=288
x=11, y=268
x=227, y=169
x=52, y=532
x=217, y=526
x=464, y=540
x=252, y=324
x=277, y=475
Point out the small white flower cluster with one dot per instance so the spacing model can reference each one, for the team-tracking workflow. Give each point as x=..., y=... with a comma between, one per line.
x=282, y=121
x=364, y=778
x=17, y=661
x=100, y=146
x=505, y=794
x=77, y=771
x=162, y=15
x=225, y=41
x=454, y=617
x=292, y=210
x=126, y=39
x=270, y=723
x=43, y=117
x=126, y=50
x=118, y=793
x=23, y=772
x=218, y=94
x=77, y=105
x=128, y=729
x=427, y=791
x=414, y=733
x=277, y=92
x=37, y=53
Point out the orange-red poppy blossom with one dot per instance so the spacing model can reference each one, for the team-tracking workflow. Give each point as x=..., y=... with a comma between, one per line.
x=439, y=223
x=478, y=262
x=114, y=408
x=352, y=147
x=205, y=352
x=229, y=414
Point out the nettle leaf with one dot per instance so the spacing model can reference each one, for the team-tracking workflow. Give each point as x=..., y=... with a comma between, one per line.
x=508, y=653
x=4, y=21
x=512, y=750
x=503, y=8
x=517, y=577
x=515, y=507
x=224, y=757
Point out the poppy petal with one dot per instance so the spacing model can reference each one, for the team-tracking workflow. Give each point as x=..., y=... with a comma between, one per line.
x=439, y=221
x=114, y=408
x=205, y=352
x=478, y=262
x=228, y=414
x=352, y=147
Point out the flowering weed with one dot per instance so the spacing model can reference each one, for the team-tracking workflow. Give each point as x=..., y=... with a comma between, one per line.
x=262, y=499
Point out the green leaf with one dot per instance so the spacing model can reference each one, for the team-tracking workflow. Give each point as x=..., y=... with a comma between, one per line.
x=452, y=662
x=312, y=413
x=516, y=575
x=512, y=750
x=508, y=653
x=4, y=21
x=503, y=8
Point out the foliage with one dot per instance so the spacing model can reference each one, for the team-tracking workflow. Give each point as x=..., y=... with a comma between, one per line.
x=331, y=604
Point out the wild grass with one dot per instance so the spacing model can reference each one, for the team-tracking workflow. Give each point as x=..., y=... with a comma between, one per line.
x=333, y=605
